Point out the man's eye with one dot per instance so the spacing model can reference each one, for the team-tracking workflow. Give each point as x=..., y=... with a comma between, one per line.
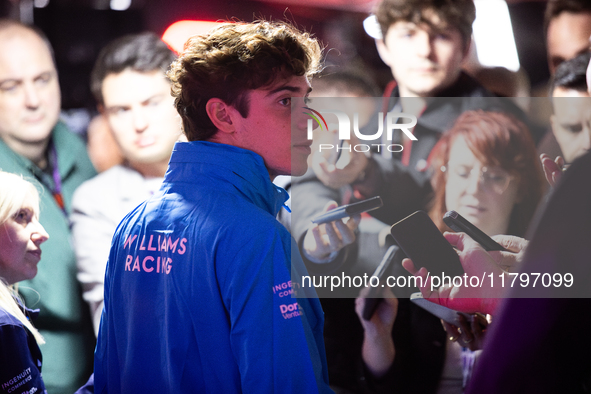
x=118, y=111
x=573, y=128
x=285, y=102
x=443, y=36
x=8, y=86
x=43, y=78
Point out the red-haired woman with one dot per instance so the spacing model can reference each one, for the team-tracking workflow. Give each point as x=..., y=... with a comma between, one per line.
x=487, y=169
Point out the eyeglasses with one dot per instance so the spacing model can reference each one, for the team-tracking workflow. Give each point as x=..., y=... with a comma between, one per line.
x=491, y=179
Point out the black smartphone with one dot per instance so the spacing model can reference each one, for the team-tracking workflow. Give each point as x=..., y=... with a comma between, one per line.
x=349, y=210
x=422, y=242
x=373, y=297
x=460, y=224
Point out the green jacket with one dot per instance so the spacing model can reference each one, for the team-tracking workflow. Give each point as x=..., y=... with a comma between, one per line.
x=64, y=320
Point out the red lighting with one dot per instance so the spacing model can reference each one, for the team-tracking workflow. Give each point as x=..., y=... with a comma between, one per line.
x=179, y=32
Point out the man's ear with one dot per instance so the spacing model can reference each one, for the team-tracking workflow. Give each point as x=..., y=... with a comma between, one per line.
x=220, y=114
x=383, y=51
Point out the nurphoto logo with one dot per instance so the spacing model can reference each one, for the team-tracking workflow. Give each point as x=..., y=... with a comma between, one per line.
x=392, y=121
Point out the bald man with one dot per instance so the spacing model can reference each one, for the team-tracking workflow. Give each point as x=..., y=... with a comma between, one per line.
x=34, y=143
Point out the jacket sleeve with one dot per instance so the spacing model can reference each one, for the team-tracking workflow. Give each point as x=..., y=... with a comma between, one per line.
x=19, y=372
x=276, y=339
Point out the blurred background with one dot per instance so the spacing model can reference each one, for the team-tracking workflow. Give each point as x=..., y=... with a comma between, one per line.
x=78, y=29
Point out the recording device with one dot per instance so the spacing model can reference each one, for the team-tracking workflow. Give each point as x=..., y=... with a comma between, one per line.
x=373, y=296
x=349, y=210
x=444, y=313
x=458, y=223
x=422, y=242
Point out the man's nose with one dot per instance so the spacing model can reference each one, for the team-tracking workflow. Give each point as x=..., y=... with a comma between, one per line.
x=423, y=44
x=140, y=119
x=32, y=99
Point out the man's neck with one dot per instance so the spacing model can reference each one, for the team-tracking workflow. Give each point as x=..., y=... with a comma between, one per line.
x=413, y=105
x=34, y=151
x=151, y=170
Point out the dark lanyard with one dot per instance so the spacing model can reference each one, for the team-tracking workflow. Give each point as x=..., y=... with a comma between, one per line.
x=57, y=180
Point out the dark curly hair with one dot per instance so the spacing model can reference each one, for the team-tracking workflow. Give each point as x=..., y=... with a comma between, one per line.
x=143, y=52
x=232, y=59
x=459, y=14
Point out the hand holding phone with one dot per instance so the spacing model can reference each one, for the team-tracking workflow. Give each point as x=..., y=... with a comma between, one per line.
x=444, y=313
x=459, y=224
x=373, y=296
x=349, y=210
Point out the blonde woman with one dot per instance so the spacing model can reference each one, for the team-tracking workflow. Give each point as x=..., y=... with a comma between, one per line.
x=21, y=235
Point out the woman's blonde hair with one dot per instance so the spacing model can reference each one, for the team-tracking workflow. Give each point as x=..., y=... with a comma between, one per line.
x=13, y=190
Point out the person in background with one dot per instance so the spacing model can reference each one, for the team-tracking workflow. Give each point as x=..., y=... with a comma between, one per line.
x=198, y=286
x=486, y=169
x=21, y=236
x=133, y=94
x=34, y=143
x=568, y=27
x=571, y=121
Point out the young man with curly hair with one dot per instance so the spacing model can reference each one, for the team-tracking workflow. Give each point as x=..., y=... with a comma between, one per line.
x=198, y=286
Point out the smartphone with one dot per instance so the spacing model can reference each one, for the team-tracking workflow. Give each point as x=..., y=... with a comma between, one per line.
x=458, y=223
x=444, y=313
x=373, y=297
x=422, y=242
x=349, y=210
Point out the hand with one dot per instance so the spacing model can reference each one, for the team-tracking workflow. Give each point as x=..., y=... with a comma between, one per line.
x=323, y=239
x=382, y=320
x=345, y=171
x=552, y=168
x=516, y=246
x=476, y=262
x=378, y=346
x=470, y=334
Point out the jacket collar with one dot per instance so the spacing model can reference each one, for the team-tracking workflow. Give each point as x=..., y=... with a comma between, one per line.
x=228, y=167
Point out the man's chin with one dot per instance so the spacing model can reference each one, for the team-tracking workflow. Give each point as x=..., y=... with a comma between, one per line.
x=299, y=169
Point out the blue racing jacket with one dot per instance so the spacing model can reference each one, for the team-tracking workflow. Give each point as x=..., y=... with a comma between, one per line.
x=198, y=294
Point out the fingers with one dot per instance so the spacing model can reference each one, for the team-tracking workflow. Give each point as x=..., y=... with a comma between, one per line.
x=559, y=162
x=466, y=329
x=453, y=333
x=353, y=222
x=455, y=239
x=330, y=206
x=550, y=168
x=429, y=294
x=409, y=266
x=479, y=324
x=516, y=246
x=511, y=243
x=347, y=235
